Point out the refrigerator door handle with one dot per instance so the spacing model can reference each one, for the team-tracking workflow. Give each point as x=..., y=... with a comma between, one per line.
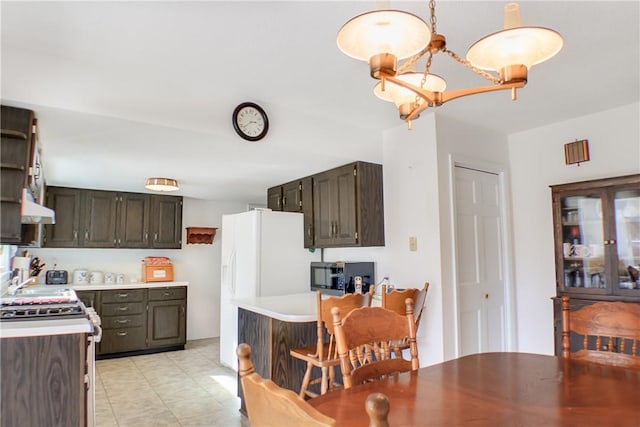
x=231, y=275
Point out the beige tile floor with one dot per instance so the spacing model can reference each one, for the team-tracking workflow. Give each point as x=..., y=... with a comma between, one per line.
x=176, y=388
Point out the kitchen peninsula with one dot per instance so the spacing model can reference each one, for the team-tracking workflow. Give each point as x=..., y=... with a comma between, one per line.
x=272, y=326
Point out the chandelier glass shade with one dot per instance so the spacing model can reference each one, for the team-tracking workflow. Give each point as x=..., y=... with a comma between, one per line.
x=385, y=36
x=405, y=98
x=162, y=184
x=399, y=33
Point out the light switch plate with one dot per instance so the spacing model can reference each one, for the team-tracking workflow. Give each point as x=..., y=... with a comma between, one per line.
x=413, y=243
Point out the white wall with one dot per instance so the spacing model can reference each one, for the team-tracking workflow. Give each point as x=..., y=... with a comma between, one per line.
x=537, y=161
x=410, y=188
x=483, y=149
x=417, y=189
x=197, y=264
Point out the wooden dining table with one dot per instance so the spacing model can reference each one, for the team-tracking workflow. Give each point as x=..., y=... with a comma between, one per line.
x=497, y=389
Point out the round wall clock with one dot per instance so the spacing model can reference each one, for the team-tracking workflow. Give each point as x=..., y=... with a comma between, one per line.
x=250, y=121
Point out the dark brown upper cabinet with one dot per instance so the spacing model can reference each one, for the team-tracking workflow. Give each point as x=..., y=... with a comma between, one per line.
x=166, y=222
x=66, y=203
x=107, y=219
x=134, y=220
x=274, y=198
x=342, y=207
x=19, y=134
x=349, y=206
x=295, y=196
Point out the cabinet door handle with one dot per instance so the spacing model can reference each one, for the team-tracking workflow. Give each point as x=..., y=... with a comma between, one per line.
x=309, y=231
x=146, y=236
x=123, y=308
x=75, y=234
x=166, y=294
x=123, y=295
x=86, y=235
x=122, y=334
x=155, y=237
x=123, y=322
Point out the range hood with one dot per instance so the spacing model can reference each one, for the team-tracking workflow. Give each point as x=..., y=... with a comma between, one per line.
x=33, y=213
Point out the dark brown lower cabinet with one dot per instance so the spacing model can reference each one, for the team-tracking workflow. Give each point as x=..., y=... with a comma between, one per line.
x=167, y=317
x=43, y=380
x=139, y=320
x=270, y=340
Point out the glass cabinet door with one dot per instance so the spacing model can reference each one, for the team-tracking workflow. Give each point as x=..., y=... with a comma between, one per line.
x=583, y=255
x=626, y=261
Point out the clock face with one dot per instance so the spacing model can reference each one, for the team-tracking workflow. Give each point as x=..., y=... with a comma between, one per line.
x=250, y=121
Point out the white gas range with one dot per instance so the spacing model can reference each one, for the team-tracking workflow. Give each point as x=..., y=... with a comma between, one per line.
x=53, y=310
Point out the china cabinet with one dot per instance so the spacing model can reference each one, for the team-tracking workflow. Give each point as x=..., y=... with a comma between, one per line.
x=597, y=242
x=597, y=238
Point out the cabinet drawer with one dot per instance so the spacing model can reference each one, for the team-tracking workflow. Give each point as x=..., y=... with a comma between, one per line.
x=115, y=322
x=123, y=339
x=121, y=309
x=167, y=294
x=124, y=295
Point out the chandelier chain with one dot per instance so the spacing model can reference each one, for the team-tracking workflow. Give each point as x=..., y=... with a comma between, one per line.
x=432, y=7
x=473, y=68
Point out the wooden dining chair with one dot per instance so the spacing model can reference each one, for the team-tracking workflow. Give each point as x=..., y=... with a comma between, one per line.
x=394, y=301
x=610, y=330
x=377, y=407
x=323, y=354
x=270, y=405
x=363, y=338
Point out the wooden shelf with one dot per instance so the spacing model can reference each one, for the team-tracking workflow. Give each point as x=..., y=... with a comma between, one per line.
x=201, y=235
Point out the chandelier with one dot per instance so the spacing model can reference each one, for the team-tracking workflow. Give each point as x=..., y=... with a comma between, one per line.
x=383, y=37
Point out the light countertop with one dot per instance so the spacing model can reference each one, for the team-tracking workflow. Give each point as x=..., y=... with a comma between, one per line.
x=138, y=285
x=32, y=328
x=295, y=308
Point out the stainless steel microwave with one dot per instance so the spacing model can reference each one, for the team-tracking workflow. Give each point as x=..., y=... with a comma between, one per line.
x=338, y=278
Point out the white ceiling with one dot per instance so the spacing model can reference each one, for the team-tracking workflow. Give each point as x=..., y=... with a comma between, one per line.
x=128, y=90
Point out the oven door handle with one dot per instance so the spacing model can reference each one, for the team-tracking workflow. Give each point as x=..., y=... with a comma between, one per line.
x=97, y=334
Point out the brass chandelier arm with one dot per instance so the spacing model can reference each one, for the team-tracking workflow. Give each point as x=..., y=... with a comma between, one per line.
x=454, y=94
x=434, y=99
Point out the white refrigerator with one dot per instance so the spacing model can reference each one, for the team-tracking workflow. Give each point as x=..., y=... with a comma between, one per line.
x=263, y=254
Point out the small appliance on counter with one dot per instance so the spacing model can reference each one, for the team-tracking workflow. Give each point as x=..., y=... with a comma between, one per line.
x=56, y=277
x=338, y=278
x=157, y=269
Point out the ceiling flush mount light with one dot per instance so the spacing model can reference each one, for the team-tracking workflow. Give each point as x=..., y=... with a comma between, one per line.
x=383, y=37
x=162, y=184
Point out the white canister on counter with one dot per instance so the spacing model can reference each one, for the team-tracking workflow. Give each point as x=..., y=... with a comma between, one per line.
x=81, y=277
x=120, y=279
x=109, y=278
x=96, y=277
